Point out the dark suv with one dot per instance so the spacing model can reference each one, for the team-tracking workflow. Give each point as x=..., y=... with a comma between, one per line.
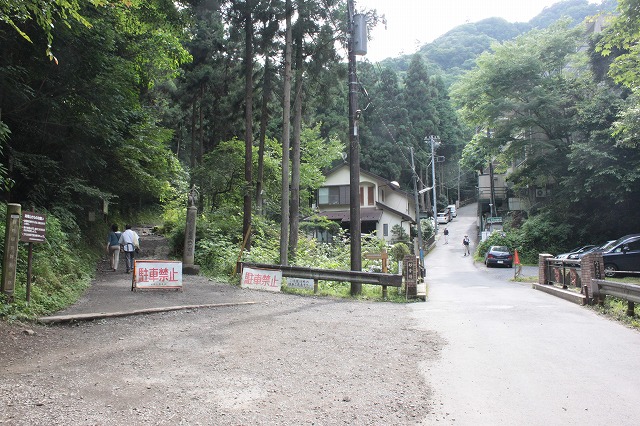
x=622, y=255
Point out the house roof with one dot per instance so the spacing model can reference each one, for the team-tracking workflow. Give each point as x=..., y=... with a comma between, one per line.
x=394, y=211
x=366, y=215
x=388, y=183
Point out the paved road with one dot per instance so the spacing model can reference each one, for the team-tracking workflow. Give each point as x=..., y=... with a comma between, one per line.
x=517, y=356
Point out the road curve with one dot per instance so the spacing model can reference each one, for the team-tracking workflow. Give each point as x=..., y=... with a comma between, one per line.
x=517, y=356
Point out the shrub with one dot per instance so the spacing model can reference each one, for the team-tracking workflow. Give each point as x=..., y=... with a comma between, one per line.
x=62, y=267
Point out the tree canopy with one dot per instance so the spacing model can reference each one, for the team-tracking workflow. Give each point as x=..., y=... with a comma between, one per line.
x=538, y=106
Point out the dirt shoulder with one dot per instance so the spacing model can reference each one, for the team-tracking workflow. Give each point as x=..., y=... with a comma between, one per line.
x=285, y=359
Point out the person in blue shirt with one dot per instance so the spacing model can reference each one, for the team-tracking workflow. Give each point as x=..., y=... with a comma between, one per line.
x=113, y=247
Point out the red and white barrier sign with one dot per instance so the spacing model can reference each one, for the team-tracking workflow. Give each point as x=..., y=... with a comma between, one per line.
x=261, y=279
x=165, y=274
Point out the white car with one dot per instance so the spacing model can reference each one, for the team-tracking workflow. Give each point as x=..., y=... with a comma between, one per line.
x=443, y=218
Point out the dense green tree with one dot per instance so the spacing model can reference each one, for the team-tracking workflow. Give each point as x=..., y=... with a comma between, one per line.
x=19, y=14
x=314, y=42
x=621, y=39
x=540, y=107
x=521, y=95
x=385, y=125
x=84, y=131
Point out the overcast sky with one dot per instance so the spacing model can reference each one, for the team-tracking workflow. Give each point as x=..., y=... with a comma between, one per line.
x=412, y=23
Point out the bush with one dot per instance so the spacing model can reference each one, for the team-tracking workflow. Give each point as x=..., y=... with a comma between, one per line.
x=62, y=267
x=399, y=251
x=538, y=234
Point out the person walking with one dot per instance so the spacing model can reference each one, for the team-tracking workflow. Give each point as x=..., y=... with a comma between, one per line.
x=446, y=236
x=130, y=242
x=465, y=244
x=113, y=247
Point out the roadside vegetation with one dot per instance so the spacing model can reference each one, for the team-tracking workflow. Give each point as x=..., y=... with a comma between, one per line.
x=61, y=269
x=617, y=309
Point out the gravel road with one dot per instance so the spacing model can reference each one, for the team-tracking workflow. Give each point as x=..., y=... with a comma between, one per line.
x=284, y=360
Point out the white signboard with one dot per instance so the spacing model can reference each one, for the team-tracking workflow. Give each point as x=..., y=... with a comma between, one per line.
x=301, y=283
x=261, y=279
x=157, y=274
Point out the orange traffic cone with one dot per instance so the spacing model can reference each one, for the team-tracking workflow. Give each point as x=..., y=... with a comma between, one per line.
x=516, y=258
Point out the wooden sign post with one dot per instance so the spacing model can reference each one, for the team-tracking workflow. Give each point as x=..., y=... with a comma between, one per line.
x=34, y=230
x=384, y=257
x=410, y=275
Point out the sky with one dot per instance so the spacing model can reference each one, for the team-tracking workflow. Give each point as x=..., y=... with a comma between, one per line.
x=413, y=23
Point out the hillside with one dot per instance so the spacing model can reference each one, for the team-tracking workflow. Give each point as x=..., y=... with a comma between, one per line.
x=456, y=51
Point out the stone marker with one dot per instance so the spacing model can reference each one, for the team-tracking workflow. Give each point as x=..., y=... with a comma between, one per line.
x=188, y=258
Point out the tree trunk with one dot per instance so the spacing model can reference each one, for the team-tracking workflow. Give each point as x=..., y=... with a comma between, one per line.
x=286, y=117
x=248, y=138
x=193, y=134
x=294, y=218
x=264, y=117
x=200, y=153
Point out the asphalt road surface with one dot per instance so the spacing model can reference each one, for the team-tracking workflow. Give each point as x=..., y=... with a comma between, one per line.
x=517, y=356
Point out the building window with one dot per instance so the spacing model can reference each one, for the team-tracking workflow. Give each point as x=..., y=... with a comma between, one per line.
x=370, y=201
x=361, y=196
x=333, y=195
x=385, y=230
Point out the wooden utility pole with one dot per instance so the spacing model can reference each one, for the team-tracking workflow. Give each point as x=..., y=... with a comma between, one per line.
x=354, y=156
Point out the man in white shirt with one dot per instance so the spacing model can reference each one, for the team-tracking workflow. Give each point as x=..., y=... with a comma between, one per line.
x=129, y=241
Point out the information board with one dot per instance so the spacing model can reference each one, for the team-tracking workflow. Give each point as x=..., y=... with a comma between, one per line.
x=34, y=227
x=301, y=283
x=157, y=274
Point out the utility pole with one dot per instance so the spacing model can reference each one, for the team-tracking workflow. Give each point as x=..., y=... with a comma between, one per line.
x=415, y=191
x=492, y=188
x=355, y=226
x=433, y=181
x=458, y=202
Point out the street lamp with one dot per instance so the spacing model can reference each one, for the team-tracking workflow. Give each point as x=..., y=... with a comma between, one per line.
x=423, y=190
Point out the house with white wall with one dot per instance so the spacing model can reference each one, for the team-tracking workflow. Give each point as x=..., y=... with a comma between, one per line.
x=382, y=203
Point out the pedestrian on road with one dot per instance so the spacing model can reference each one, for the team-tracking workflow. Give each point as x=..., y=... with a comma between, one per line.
x=113, y=247
x=130, y=242
x=446, y=236
x=465, y=243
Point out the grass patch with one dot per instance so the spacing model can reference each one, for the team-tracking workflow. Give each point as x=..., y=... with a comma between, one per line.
x=523, y=279
x=629, y=280
x=616, y=309
x=343, y=290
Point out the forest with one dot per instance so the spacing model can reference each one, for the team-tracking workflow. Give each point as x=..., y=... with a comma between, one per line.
x=111, y=110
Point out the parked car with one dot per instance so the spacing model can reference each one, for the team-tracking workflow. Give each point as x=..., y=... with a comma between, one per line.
x=443, y=218
x=452, y=209
x=622, y=255
x=498, y=255
x=602, y=247
x=576, y=251
x=579, y=256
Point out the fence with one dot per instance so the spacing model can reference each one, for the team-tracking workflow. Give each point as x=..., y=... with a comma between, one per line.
x=586, y=274
x=564, y=272
x=316, y=274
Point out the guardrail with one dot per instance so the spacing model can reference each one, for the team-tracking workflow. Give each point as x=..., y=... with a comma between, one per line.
x=587, y=274
x=316, y=274
x=626, y=291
